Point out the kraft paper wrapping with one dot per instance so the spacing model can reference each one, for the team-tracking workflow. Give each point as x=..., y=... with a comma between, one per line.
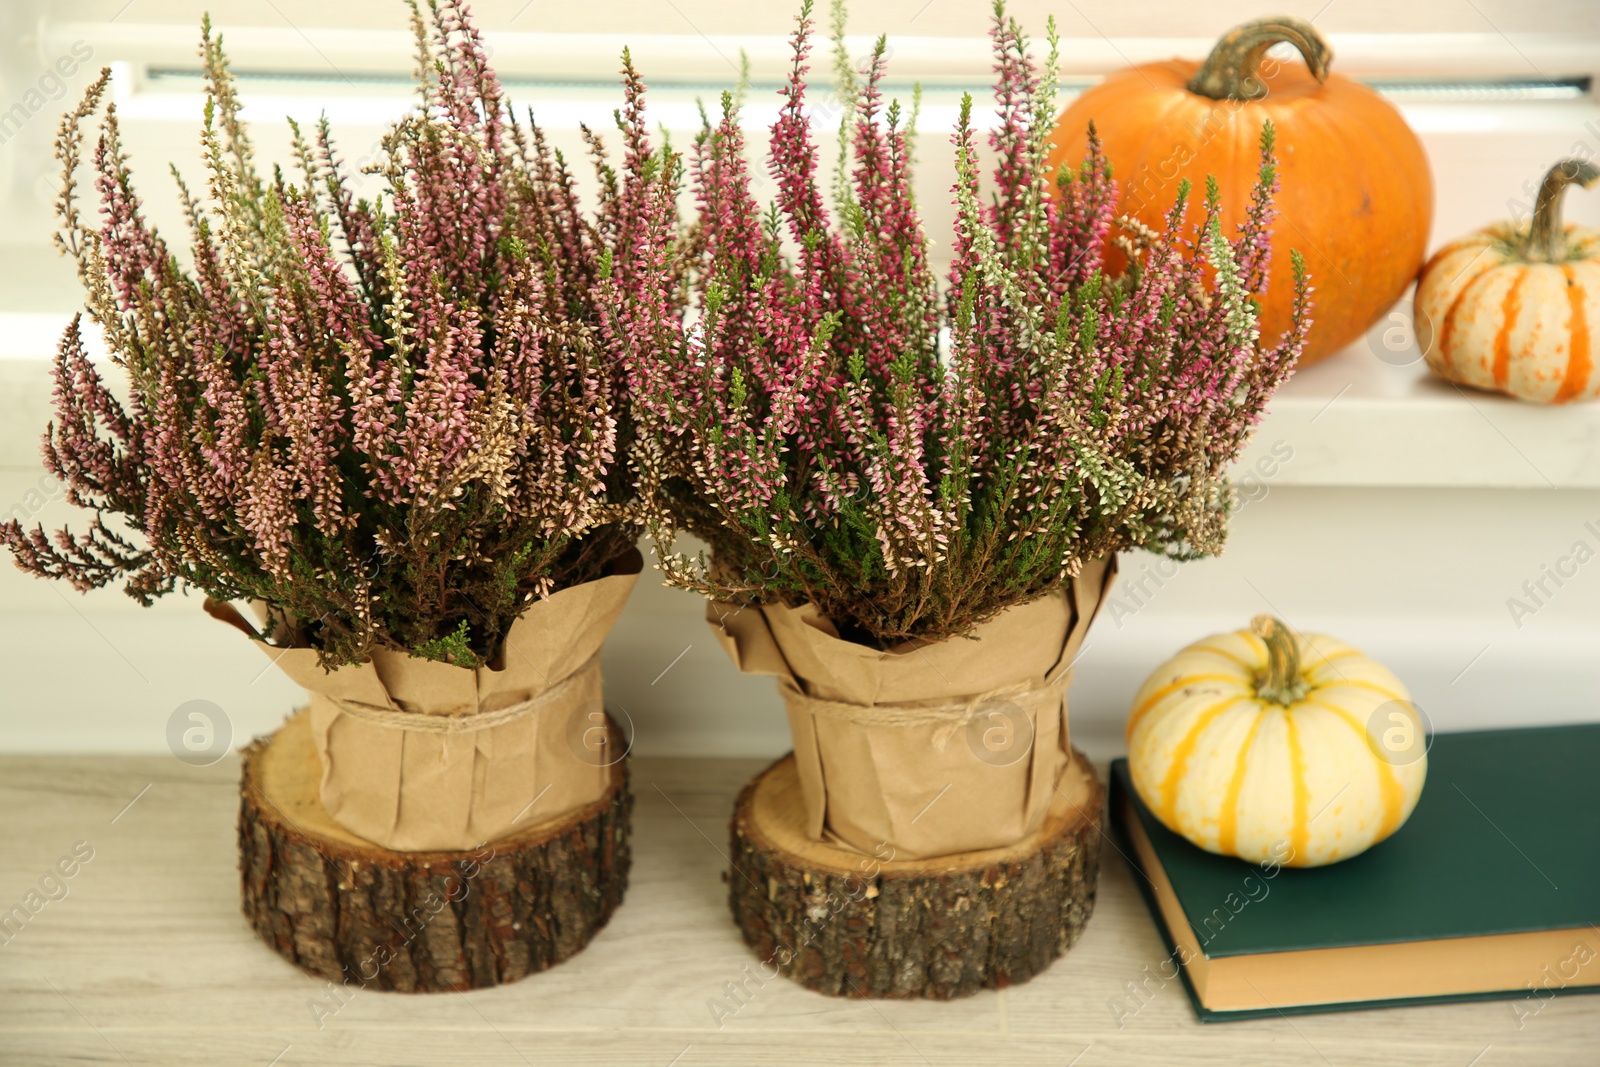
x=929, y=749
x=450, y=785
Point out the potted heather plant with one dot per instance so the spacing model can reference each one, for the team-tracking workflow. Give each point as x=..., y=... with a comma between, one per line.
x=913, y=495
x=394, y=428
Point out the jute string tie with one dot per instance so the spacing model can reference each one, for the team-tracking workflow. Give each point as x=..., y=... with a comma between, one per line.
x=413, y=722
x=950, y=716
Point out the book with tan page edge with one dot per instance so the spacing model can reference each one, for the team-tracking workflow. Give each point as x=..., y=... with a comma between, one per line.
x=1491, y=890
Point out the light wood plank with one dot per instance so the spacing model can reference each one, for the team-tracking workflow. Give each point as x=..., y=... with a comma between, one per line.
x=147, y=960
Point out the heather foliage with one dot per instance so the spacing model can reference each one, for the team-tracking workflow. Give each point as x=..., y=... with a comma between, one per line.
x=915, y=457
x=396, y=421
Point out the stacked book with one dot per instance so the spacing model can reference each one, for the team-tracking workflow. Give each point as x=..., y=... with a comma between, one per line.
x=1490, y=890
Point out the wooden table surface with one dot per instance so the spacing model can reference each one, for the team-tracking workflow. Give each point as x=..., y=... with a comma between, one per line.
x=147, y=960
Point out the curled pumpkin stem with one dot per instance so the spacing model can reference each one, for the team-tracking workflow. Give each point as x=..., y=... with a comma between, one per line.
x=1229, y=72
x=1547, y=236
x=1281, y=683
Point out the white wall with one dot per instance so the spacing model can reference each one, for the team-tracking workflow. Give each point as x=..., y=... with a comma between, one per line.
x=1419, y=578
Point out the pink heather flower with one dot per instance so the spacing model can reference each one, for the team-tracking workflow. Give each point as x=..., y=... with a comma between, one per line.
x=387, y=418
x=812, y=431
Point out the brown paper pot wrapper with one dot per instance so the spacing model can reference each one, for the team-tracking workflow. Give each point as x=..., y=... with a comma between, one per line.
x=445, y=782
x=927, y=748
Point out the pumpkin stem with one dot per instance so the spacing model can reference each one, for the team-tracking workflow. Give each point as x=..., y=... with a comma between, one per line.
x=1281, y=682
x=1229, y=72
x=1547, y=237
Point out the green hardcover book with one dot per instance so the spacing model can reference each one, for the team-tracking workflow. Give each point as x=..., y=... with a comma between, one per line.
x=1491, y=890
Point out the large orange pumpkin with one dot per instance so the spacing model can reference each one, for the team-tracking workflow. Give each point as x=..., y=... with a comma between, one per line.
x=1356, y=197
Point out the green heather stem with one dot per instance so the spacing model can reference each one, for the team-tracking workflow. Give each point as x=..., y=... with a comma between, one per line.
x=1229, y=72
x=1281, y=682
x=1547, y=237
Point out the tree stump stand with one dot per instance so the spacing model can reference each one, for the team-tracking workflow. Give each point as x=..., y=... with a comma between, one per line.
x=847, y=924
x=365, y=917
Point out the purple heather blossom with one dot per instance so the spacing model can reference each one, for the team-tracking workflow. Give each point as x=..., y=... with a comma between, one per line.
x=809, y=429
x=386, y=419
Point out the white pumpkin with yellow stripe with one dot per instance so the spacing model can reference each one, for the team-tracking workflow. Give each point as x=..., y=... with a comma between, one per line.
x=1277, y=747
x=1517, y=309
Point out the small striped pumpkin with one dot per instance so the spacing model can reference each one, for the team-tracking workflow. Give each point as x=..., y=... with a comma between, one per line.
x=1517, y=310
x=1277, y=747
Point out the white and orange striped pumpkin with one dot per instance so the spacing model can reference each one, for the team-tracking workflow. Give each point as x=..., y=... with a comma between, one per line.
x=1517, y=310
x=1284, y=748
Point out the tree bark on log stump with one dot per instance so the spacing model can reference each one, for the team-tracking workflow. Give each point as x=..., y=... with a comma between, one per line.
x=363, y=916
x=848, y=924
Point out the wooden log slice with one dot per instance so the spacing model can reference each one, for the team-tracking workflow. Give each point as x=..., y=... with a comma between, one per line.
x=848, y=924
x=362, y=916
